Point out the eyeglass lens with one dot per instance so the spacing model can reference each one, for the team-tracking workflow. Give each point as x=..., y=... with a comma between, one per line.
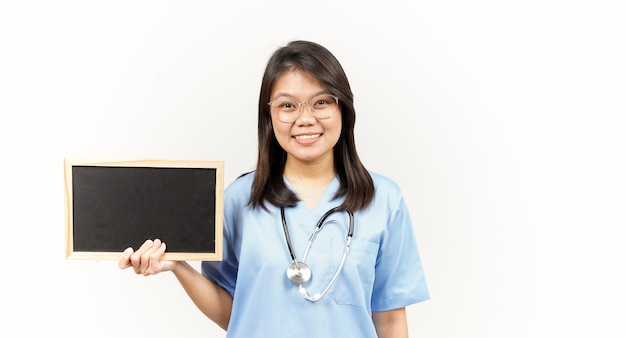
x=288, y=109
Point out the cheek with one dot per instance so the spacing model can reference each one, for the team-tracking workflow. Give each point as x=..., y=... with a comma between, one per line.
x=336, y=127
x=282, y=133
x=275, y=127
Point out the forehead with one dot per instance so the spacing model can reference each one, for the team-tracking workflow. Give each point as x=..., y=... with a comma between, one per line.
x=297, y=83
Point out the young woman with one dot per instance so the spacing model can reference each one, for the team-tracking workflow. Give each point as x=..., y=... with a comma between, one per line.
x=315, y=245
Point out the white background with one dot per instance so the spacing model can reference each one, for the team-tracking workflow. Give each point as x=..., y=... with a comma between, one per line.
x=503, y=122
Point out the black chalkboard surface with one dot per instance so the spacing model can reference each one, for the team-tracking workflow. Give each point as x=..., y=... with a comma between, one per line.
x=111, y=205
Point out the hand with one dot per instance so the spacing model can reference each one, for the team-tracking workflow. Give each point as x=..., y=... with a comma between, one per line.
x=147, y=259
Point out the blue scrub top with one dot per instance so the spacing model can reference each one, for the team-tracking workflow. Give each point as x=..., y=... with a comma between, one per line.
x=382, y=271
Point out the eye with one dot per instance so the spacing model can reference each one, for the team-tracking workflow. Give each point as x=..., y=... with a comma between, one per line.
x=322, y=102
x=286, y=105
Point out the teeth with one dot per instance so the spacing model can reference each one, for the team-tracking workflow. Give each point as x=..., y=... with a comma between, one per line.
x=307, y=137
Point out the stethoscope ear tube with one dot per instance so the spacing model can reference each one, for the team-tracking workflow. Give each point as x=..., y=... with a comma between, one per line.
x=286, y=230
x=332, y=211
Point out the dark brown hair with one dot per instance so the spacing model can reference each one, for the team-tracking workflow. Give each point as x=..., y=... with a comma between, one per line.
x=355, y=181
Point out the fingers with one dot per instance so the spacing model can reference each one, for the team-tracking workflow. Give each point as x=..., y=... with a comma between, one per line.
x=154, y=265
x=146, y=260
x=138, y=259
x=124, y=260
x=142, y=256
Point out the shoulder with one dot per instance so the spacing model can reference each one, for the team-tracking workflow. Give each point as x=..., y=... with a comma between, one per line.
x=238, y=191
x=384, y=184
x=387, y=191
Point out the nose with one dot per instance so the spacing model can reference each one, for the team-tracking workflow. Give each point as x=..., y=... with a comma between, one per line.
x=306, y=114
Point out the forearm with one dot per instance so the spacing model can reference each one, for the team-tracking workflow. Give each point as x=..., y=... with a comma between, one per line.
x=391, y=324
x=210, y=298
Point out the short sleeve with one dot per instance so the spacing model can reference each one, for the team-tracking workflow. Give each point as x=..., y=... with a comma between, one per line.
x=400, y=279
x=224, y=272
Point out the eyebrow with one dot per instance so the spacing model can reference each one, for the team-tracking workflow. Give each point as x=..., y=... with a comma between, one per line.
x=281, y=94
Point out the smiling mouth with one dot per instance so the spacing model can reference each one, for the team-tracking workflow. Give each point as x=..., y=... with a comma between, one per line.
x=306, y=137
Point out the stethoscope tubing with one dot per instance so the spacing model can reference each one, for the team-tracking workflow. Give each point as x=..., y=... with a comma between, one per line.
x=299, y=273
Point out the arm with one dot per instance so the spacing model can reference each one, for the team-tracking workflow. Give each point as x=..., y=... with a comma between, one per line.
x=210, y=298
x=391, y=323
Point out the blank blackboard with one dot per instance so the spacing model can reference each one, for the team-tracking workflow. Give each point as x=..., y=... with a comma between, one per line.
x=113, y=205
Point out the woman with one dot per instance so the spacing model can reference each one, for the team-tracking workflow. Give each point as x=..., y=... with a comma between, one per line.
x=352, y=278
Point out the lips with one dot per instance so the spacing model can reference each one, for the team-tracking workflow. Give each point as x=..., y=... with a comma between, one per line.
x=307, y=136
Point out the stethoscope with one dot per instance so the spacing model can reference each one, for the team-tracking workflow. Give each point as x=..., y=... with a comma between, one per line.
x=300, y=273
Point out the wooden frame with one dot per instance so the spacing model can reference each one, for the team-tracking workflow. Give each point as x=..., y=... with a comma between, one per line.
x=111, y=205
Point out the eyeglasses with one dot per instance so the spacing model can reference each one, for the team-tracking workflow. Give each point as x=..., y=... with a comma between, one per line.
x=287, y=109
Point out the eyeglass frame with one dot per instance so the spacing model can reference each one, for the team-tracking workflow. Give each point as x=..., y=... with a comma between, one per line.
x=300, y=109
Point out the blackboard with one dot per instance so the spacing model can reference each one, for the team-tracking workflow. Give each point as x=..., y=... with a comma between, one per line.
x=113, y=205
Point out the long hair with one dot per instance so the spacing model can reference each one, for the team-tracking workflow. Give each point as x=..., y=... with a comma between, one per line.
x=355, y=182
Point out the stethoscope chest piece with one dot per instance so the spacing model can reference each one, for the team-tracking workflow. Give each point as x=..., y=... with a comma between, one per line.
x=299, y=273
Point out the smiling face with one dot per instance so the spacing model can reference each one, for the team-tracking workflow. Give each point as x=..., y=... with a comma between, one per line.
x=307, y=140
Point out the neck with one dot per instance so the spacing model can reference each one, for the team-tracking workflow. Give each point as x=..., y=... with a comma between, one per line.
x=309, y=172
x=309, y=179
